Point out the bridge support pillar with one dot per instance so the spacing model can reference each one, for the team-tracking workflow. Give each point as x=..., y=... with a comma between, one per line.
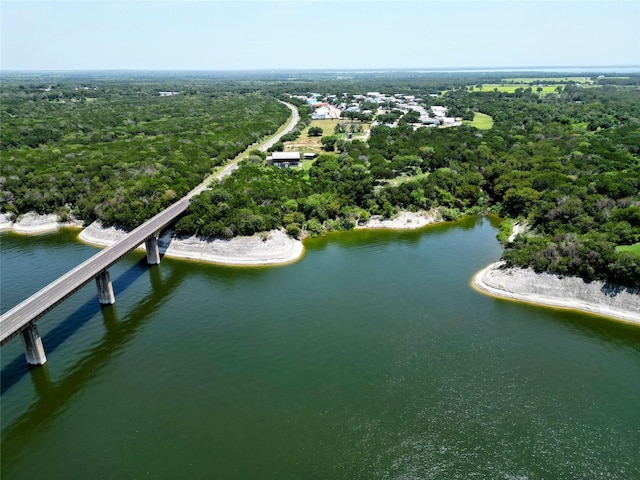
x=153, y=252
x=105, y=288
x=33, y=348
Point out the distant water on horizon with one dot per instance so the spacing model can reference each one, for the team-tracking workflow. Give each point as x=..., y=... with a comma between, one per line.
x=618, y=69
x=578, y=69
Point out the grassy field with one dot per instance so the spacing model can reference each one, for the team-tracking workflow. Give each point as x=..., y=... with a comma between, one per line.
x=481, y=121
x=511, y=88
x=306, y=164
x=327, y=127
x=305, y=143
x=548, y=79
x=634, y=249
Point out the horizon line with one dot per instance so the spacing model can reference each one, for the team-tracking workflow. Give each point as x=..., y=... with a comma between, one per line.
x=327, y=69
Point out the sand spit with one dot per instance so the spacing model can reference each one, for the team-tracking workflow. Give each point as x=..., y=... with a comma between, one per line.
x=33, y=223
x=267, y=248
x=403, y=221
x=525, y=285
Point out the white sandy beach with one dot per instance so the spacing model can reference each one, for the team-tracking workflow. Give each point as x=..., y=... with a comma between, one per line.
x=33, y=224
x=565, y=292
x=268, y=248
x=403, y=221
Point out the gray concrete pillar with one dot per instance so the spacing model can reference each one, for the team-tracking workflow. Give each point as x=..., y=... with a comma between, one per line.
x=33, y=348
x=105, y=289
x=153, y=253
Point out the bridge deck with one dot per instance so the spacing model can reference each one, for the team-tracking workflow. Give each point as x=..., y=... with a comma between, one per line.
x=19, y=317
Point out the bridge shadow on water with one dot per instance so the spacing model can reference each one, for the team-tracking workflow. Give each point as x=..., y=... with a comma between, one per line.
x=13, y=371
x=52, y=397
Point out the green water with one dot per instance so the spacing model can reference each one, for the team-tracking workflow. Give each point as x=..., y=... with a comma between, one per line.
x=370, y=358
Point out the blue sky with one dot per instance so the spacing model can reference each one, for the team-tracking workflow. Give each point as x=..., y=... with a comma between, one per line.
x=303, y=34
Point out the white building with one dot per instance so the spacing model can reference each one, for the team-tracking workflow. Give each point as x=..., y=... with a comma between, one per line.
x=439, y=111
x=321, y=113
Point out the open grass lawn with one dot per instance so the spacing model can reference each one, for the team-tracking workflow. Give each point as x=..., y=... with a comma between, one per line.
x=327, y=127
x=635, y=249
x=511, y=88
x=305, y=143
x=306, y=164
x=548, y=79
x=481, y=121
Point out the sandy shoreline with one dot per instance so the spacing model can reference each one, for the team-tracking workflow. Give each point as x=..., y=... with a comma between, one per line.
x=34, y=224
x=277, y=248
x=573, y=293
x=267, y=248
x=403, y=221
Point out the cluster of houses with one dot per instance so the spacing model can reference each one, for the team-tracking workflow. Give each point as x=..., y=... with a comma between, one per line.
x=332, y=106
x=435, y=116
x=374, y=103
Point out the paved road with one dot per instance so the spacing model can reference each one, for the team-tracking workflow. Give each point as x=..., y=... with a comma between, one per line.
x=15, y=320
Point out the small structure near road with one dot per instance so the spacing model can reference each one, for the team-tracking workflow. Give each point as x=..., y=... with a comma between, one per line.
x=284, y=159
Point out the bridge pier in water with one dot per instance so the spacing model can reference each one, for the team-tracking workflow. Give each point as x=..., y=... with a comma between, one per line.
x=20, y=319
x=105, y=288
x=153, y=252
x=33, y=348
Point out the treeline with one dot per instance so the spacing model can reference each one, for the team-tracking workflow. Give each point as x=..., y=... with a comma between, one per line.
x=119, y=152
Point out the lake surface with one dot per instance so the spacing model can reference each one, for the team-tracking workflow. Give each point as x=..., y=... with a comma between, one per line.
x=370, y=358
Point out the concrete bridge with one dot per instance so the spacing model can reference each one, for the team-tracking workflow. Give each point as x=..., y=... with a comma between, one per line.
x=21, y=318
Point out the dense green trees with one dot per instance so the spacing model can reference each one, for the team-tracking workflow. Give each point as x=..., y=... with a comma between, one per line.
x=567, y=163
x=117, y=153
x=329, y=143
x=257, y=198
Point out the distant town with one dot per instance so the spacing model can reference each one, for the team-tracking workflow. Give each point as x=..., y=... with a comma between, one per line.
x=386, y=108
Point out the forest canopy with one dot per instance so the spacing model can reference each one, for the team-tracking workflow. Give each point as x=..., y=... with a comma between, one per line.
x=119, y=151
x=564, y=161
